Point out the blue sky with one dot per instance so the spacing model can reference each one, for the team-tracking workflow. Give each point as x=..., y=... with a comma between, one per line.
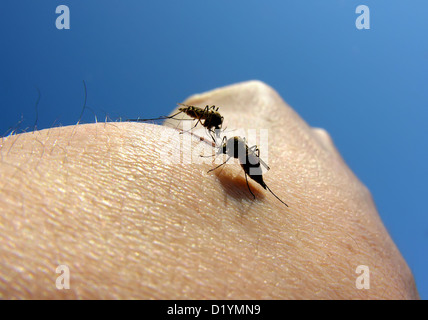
x=368, y=88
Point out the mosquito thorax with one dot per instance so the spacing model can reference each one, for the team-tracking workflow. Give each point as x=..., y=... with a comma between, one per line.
x=217, y=120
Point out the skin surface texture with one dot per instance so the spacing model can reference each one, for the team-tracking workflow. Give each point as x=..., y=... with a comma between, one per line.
x=114, y=203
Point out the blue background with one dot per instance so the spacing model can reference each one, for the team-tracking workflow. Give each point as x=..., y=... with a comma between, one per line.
x=368, y=88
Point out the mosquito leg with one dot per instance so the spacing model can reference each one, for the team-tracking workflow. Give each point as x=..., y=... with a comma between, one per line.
x=181, y=132
x=172, y=117
x=199, y=120
x=248, y=185
x=219, y=165
x=276, y=196
x=204, y=114
x=212, y=136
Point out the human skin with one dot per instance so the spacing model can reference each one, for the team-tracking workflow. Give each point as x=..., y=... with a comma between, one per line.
x=102, y=200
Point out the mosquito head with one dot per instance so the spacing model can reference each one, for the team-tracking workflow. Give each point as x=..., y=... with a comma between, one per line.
x=222, y=149
x=216, y=120
x=223, y=146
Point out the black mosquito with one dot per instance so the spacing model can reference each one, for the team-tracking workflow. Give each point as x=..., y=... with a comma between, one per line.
x=249, y=159
x=209, y=117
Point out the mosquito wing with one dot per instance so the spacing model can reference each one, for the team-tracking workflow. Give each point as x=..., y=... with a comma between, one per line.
x=264, y=164
x=253, y=151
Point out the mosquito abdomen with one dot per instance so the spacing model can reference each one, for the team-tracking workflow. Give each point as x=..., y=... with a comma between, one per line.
x=193, y=112
x=256, y=177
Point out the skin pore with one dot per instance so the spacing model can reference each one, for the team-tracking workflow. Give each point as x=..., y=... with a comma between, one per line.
x=103, y=200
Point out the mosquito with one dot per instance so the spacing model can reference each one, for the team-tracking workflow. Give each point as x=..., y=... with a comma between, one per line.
x=208, y=117
x=249, y=159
